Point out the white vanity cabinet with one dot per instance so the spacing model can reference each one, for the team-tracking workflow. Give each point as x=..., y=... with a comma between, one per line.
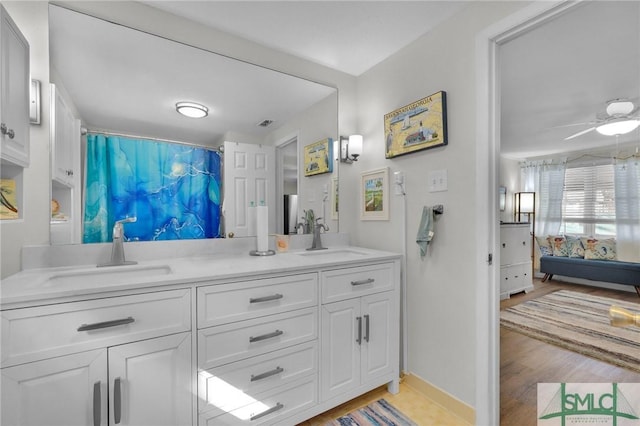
x=64, y=364
x=359, y=328
x=257, y=349
x=14, y=93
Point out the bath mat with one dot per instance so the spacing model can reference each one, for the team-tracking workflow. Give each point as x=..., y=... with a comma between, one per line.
x=578, y=322
x=379, y=413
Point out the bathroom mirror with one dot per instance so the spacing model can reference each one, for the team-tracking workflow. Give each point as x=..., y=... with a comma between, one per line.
x=124, y=81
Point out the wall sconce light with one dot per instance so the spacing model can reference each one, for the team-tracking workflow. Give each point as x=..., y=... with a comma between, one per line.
x=350, y=148
x=192, y=109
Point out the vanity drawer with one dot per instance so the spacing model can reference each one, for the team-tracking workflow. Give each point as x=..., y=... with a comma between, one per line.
x=30, y=334
x=225, y=303
x=233, y=342
x=269, y=408
x=255, y=375
x=346, y=283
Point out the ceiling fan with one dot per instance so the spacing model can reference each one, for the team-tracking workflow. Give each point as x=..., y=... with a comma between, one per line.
x=620, y=117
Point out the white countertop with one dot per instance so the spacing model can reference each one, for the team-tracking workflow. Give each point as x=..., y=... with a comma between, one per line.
x=48, y=285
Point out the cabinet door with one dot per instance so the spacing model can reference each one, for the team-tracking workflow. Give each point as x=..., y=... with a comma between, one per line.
x=14, y=93
x=340, y=348
x=377, y=320
x=150, y=382
x=66, y=391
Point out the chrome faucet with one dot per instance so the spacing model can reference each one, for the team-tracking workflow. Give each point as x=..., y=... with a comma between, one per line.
x=117, y=249
x=317, y=242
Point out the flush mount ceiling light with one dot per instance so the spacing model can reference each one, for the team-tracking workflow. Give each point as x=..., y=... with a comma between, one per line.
x=192, y=109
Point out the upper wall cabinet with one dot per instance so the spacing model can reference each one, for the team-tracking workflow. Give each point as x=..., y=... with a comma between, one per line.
x=14, y=93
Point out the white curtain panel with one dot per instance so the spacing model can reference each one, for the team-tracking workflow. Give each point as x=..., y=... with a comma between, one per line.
x=627, y=190
x=547, y=181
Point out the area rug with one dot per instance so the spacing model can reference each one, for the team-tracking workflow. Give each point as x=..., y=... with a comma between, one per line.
x=578, y=322
x=379, y=413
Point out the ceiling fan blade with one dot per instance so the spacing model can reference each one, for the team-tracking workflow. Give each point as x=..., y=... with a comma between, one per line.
x=575, y=135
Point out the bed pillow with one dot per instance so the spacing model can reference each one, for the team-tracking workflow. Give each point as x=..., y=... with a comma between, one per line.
x=544, y=244
x=595, y=249
x=559, y=245
x=574, y=246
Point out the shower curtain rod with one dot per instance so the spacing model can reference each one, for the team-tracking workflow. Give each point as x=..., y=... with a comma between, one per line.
x=84, y=131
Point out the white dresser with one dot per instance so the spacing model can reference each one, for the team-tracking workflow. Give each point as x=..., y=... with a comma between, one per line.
x=516, y=274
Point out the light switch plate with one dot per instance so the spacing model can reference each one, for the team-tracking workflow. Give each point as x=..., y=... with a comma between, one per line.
x=438, y=181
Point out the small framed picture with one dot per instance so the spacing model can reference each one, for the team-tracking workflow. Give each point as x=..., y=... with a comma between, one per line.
x=374, y=194
x=318, y=157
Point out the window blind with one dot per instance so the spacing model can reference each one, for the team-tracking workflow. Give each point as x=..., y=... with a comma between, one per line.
x=589, y=195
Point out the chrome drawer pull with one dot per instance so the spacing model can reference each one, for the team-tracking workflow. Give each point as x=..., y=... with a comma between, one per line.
x=264, y=375
x=359, y=339
x=361, y=282
x=106, y=324
x=266, y=336
x=117, y=401
x=366, y=328
x=266, y=298
x=277, y=407
x=97, y=404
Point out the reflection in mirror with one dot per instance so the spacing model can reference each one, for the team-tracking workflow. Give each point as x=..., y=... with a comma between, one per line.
x=115, y=80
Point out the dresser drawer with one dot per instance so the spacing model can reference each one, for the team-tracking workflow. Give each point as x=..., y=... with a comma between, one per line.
x=225, y=303
x=268, y=408
x=255, y=375
x=46, y=331
x=233, y=342
x=346, y=283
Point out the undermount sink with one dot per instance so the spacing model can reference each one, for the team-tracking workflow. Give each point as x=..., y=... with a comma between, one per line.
x=329, y=251
x=109, y=275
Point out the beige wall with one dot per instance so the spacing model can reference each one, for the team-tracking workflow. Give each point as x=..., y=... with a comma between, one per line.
x=440, y=288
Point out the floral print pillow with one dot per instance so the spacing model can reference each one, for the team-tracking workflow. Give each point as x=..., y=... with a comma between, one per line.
x=544, y=243
x=574, y=246
x=559, y=245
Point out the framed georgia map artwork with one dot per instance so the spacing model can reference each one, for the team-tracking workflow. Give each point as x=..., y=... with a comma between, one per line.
x=417, y=126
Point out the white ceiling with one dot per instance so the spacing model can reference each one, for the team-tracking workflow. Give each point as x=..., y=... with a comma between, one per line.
x=560, y=73
x=350, y=36
x=563, y=73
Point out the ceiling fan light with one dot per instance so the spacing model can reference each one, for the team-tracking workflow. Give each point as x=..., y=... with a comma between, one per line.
x=192, y=109
x=619, y=127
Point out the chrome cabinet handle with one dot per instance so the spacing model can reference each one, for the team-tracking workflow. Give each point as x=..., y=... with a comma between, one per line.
x=366, y=328
x=11, y=133
x=266, y=374
x=106, y=324
x=361, y=282
x=273, y=409
x=266, y=298
x=266, y=336
x=97, y=404
x=117, y=400
x=359, y=339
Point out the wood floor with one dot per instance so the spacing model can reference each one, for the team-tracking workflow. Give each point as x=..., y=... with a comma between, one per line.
x=525, y=362
x=414, y=405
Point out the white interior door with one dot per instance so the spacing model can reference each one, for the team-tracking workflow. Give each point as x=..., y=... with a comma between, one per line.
x=249, y=176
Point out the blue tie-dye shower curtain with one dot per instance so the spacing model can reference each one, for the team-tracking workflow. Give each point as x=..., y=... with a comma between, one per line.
x=172, y=189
